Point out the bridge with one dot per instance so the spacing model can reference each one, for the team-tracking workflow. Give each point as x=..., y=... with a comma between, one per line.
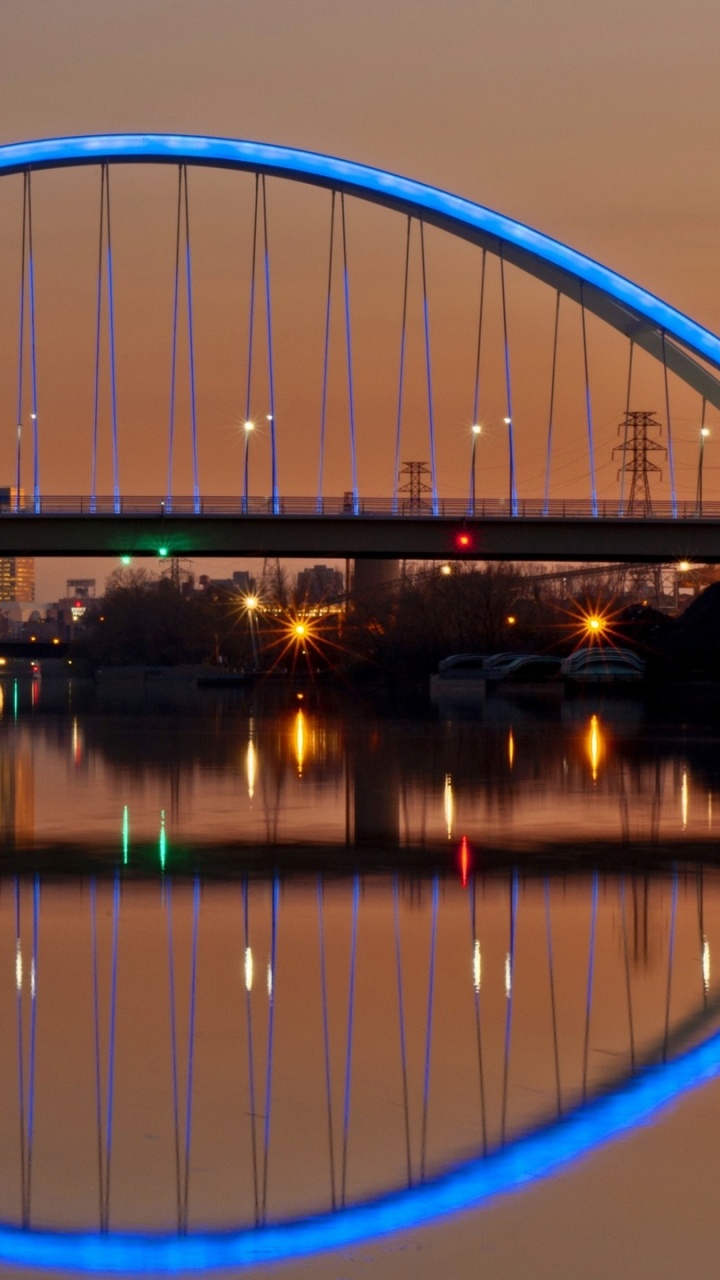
x=524, y=374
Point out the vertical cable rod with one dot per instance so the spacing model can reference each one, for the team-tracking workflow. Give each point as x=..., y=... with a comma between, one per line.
x=270, y=1043
x=401, y=372
x=589, y=984
x=348, y=346
x=251, y=335
x=671, y=957
x=551, y=414
x=476, y=390
x=173, y=359
x=191, y=1052
x=191, y=346
x=625, y=427
x=509, y=987
x=326, y=363
x=478, y=1032
x=670, y=454
x=111, y=331
x=349, y=1036
x=553, y=1004
x=271, y=364
x=401, y=1024
x=251, y=1055
x=326, y=1036
x=33, y=354
x=428, y=1026
x=173, y=1047
x=508, y=392
x=428, y=374
x=588, y=406
x=98, y=338
x=21, y=343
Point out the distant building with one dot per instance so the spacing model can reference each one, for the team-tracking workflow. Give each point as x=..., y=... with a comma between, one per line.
x=319, y=585
x=241, y=583
x=17, y=578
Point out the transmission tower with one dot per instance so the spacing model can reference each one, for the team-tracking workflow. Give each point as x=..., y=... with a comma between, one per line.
x=415, y=487
x=634, y=450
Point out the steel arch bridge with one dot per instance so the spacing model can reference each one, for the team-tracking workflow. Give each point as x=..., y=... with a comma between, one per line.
x=425, y=522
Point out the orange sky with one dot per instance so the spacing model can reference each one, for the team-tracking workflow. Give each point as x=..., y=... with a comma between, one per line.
x=594, y=125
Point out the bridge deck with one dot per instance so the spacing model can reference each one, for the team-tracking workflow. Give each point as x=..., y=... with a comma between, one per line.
x=374, y=529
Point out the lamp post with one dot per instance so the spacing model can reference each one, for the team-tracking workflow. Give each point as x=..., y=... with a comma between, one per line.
x=248, y=427
x=511, y=464
x=475, y=431
x=704, y=433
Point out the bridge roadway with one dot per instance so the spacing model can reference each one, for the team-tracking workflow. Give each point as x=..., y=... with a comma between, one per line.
x=373, y=529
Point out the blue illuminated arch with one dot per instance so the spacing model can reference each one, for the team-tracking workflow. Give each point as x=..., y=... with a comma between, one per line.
x=653, y=324
x=466, y=1186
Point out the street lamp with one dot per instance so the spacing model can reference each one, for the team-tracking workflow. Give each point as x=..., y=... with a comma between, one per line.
x=704, y=433
x=475, y=431
x=248, y=427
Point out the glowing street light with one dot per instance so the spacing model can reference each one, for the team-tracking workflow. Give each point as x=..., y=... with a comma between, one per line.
x=475, y=430
x=248, y=428
x=704, y=433
x=511, y=464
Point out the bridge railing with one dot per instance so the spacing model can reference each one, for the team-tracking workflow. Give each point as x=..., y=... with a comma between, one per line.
x=381, y=508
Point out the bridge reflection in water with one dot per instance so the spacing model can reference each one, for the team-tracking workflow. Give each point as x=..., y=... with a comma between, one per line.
x=184, y=1055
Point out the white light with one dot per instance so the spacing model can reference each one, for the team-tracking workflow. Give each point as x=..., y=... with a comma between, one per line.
x=269, y=417
x=508, y=976
x=448, y=804
x=18, y=967
x=249, y=426
x=704, y=432
x=32, y=978
x=251, y=768
x=507, y=421
x=248, y=969
x=476, y=428
x=684, y=799
x=706, y=964
x=33, y=416
x=477, y=965
x=269, y=981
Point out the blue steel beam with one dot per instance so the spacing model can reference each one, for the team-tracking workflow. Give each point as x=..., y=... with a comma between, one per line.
x=653, y=324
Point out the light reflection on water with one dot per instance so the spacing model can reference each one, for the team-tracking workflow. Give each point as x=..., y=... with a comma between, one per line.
x=505, y=777
x=177, y=1054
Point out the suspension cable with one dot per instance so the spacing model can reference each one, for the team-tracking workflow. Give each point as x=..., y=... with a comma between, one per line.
x=270, y=1043
x=401, y=374
x=348, y=346
x=589, y=984
x=670, y=455
x=98, y=336
x=21, y=343
x=508, y=391
x=428, y=1027
x=326, y=1036
x=588, y=405
x=428, y=374
x=191, y=347
x=326, y=362
x=349, y=1039
x=173, y=361
x=251, y=322
x=111, y=325
x=476, y=392
x=271, y=365
x=625, y=425
x=551, y=413
x=251, y=1054
x=401, y=1023
x=191, y=1051
x=33, y=354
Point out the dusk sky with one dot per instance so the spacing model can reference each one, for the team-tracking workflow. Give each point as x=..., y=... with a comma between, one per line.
x=595, y=124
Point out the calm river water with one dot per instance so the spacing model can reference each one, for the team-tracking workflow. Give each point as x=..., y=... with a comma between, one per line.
x=283, y=976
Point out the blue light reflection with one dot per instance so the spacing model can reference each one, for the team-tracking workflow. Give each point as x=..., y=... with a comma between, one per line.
x=464, y=1187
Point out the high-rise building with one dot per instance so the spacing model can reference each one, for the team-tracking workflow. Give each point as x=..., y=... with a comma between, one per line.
x=17, y=578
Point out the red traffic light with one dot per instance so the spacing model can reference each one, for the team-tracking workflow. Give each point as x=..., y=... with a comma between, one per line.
x=463, y=541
